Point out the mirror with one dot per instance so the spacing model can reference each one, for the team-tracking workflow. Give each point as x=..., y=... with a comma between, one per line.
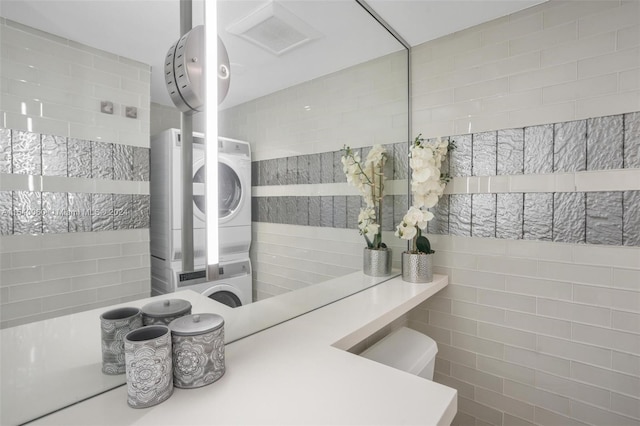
x=346, y=85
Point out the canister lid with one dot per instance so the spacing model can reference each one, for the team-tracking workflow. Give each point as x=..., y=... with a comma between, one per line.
x=166, y=308
x=191, y=325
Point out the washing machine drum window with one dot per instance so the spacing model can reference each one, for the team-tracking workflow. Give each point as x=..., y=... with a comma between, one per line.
x=229, y=190
x=227, y=298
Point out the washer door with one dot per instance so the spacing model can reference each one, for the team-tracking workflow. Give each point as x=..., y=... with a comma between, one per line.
x=229, y=192
x=224, y=294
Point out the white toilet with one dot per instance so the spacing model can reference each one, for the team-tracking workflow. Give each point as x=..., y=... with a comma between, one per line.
x=407, y=350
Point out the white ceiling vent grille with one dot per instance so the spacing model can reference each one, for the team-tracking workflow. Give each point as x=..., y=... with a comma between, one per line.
x=274, y=29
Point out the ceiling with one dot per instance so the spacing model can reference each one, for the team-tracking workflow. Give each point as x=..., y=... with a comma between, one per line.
x=345, y=35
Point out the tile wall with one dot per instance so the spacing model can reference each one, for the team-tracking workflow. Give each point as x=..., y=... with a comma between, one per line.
x=539, y=324
x=304, y=212
x=74, y=184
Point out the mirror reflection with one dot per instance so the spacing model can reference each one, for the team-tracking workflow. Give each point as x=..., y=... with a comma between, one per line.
x=84, y=114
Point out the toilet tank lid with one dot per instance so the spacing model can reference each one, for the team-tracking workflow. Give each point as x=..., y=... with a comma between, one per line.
x=404, y=349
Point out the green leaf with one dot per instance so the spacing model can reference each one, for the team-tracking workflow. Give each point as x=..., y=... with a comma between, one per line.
x=423, y=245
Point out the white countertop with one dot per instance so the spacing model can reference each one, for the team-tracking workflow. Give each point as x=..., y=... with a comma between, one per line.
x=298, y=373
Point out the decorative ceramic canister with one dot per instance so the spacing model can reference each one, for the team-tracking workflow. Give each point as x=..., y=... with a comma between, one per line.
x=162, y=312
x=149, y=366
x=417, y=267
x=377, y=263
x=114, y=325
x=198, y=350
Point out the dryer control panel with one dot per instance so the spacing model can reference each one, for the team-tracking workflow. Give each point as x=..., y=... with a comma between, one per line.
x=225, y=271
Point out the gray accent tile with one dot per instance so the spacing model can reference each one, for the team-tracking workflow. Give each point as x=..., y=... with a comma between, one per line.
x=570, y=146
x=55, y=218
x=460, y=161
x=604, y=218
x=338, y=173
x=54, y=155
x=400, y=207
x=484, y=153
x=400, y=160
x=6, y=213
x=631, y=218
x=26, y=153
x=263, y=209
x=122, y=162
x=483, y=215
x=315, y=168
x=292, y=171
x=538, y=149
x=446, y=163
x=140, y=212
x=632, y=140
x=79, y=158
x=303, y=169
x=122, y=211
x=604, y=143
x=302, y=211
x=354, y=203
x=314, y=211
x=290, y=210
x=340, y=211
x=281, y=165
x=5, y=150
x=440, y=222
x=79, y=212
x=101, y=212
x=326, y=211
x=255, y=173
x=102, y=160
x=511, y=152
x=388, y=165
x=254, y=209
x=569, y=211
x=509, y=216
x=326, y=167
x=271, y=171
x=272, y=209
x=387, y=213
x=27, y=212
x=460, y=214
x=141, y=163
x=538, y=216
x=262, y=173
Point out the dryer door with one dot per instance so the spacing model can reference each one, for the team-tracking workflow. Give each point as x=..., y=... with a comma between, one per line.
x=224, y=294
x=229, y=191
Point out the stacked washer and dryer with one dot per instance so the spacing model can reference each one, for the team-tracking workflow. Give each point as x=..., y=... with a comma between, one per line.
x=233, y=287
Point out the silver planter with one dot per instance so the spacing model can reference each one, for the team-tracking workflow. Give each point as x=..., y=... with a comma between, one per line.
x=377, y=263
x=417, y=267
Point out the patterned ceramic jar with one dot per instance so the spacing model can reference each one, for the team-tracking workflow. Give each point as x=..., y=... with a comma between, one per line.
x=114, y=325
x=162, y=312
x=149, y=367
x=198, y=350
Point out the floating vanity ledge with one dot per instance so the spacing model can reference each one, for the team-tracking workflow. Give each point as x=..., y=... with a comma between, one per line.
x=298, y=373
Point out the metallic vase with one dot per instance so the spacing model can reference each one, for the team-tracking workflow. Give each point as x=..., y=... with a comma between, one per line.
x=417, y=267
x=377, y=263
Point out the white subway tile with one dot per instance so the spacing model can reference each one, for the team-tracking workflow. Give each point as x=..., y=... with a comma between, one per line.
x=507, y=335
x=121, y=290
x=487, y=246
x=538, y=324
x=455, y=44
x=452, y=322
x=583, y=274
x=13, y=243
x=20, y=275
x=511, y=266
x=432, y=99
x=573, y=389
x=512, y=65
x=452, y=259
x=440, y=335
x=625, y=405
x=626, y=363
x=480, y=412
x=570, y=11
x=20, y=309
x=600, y=85
x=606, y=338
x=137, y=274
x=574, y=312
x=605, y=378
x=506, y=370
x=605, y=297
x=437, y=303
x=542, y=115
x=477, y=345
x=477, y=377
x=565, y=182
x=39, y=257
x=512, y=29
x=537, y=397
x=483, y=55
x=575, y=50
x=70, y=269
x=456, y=355
x=609, y=20
x=628, y=37
x=574, y=351
x=96, y=252
x=626, y=321
x=537, y=361
x=482, y=123
x=507, y=300
x=506, y=404
x=532, y=183
x=478, y=279
x=547, y=417
x=629, y=80
x=464, y=389
x=37, y=290
x=493, y=184
x=478, y=312
x=455, y=110
x=482, y=89
x=541, y=39
x=459, y=292
x=626, y=278
x=513, y=101
x=68, y=300
x=612, y=62
x=544, y=77
x=608, y=180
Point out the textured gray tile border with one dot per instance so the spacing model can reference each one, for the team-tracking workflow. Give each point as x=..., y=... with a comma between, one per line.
x=54, y=155
x=303, y=170
x=102, y=160
x=510, y=152
x=538, y=216
x=290, y=210
x=400, y=160
x=55, y=218
x=631, y=218
x=510, y=216
x=27, y=212
x=483, y=215
x=79, y=212
x=26, y=153
x=340, y=211
x=632, y=140
x=353, y=210
x=315, y=168
x=326, y=167
x=302, y=211
x=338, y=173
x=604, y=218
x=101, y=212
x=5, y=151
x=292, y=171
x=605, y=142
x=569, y=211
x=122, y=211
x=281, y=166
x=387, y=213
x=460, y=214
x=538, y=149
x=460, y=162
x=141, y=211
x=400, y=207
x=314, y=211
x=326, y=211
x=141, y=164
x=570, y=146
x=79, y=158
x=6, y=213
x=440, y=222
x=485, y=154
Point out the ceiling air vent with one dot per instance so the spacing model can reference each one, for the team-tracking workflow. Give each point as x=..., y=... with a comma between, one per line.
x=274, y=29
